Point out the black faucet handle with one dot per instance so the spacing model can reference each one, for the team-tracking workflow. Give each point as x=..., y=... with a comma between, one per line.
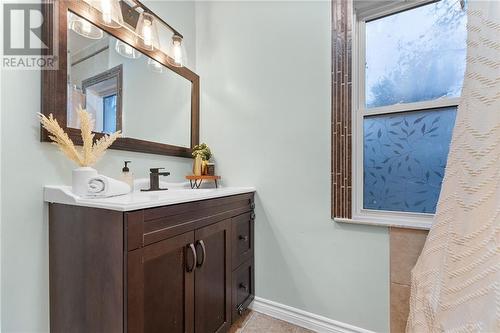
x=155, y=170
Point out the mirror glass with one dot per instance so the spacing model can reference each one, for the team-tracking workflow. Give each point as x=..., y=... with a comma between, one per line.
x=124, y=89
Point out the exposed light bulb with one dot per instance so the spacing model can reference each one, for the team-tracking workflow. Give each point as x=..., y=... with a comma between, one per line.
x=83, y=27
x=155, y=66
x=111, y=13
x=86, y=27
x=146, y=32
x=126, y=50
x=177, y=54
x=106, y=11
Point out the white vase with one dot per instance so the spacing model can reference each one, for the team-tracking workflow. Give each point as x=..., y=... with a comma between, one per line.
x=81, y=178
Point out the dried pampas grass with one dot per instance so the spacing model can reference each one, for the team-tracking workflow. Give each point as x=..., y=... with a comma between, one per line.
x=86, y=127
x=60, y=138
x=91, y=152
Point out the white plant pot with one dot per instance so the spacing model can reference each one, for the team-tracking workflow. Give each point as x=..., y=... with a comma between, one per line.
x=81, y=178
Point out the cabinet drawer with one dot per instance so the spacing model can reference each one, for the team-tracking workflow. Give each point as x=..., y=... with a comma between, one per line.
x=242, y=238
x=242, y=288
x=152, y=225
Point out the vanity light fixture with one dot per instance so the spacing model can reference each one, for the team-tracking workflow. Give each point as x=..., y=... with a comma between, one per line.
x=147, y=36
x=147, y=32
x=83, y=27
x=177, y=52
x=111, y=13
x=126, y=50
x=155, y=66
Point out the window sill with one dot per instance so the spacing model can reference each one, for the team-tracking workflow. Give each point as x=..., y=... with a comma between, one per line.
x=385, y=222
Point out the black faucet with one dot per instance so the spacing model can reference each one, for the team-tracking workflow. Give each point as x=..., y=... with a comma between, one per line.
x=154, y=179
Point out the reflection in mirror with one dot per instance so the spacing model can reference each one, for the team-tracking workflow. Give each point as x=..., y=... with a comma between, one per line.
x=124, y=89
x=103, y=99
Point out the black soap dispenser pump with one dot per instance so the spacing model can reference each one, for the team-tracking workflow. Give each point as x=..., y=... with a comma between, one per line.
x=127, y=176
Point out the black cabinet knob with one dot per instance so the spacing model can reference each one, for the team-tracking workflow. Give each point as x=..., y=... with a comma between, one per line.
x=252, y=216
x=243, y=238
x=252, y=205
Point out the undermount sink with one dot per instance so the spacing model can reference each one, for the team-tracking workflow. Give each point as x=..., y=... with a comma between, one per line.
x=143, y=183
x=172, y=191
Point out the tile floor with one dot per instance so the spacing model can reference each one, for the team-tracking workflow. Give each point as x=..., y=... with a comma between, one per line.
x=254, y=322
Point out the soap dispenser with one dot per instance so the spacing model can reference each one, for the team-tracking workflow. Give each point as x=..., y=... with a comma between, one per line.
x=127, y=176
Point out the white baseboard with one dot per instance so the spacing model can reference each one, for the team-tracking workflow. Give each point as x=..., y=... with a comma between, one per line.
x=302, y=318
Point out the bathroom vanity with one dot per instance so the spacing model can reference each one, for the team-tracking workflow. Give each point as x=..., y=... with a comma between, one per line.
x=163, y=261
x=170, y=261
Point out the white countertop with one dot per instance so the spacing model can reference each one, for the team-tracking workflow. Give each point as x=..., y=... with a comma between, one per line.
x=140, y=200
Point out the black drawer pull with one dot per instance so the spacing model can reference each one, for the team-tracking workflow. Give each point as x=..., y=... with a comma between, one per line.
x=252, y=216
x=252, y=205
x=243, y=238
x=243, y=286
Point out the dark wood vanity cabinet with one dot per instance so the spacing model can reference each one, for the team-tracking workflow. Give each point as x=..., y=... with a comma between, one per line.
x=160, y=290
x=212, y=279
x=179, y=268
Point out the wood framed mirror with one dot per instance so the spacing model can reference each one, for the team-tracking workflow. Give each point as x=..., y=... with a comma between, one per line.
x=154, y=104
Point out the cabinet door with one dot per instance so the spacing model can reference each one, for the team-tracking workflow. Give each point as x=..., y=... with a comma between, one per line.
x=161, y=286
x=212, y=278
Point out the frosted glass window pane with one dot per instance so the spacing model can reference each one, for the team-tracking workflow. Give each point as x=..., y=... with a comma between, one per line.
x=404, y=159
x=416, y=55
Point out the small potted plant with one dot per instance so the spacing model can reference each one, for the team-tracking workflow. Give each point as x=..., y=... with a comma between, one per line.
x=202, y=155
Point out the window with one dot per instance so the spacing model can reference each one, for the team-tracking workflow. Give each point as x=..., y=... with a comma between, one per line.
x=109, y=114
x=410, y=75
x=404, y=157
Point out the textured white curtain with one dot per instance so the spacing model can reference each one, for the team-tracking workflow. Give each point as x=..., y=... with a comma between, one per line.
x=456, y=281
